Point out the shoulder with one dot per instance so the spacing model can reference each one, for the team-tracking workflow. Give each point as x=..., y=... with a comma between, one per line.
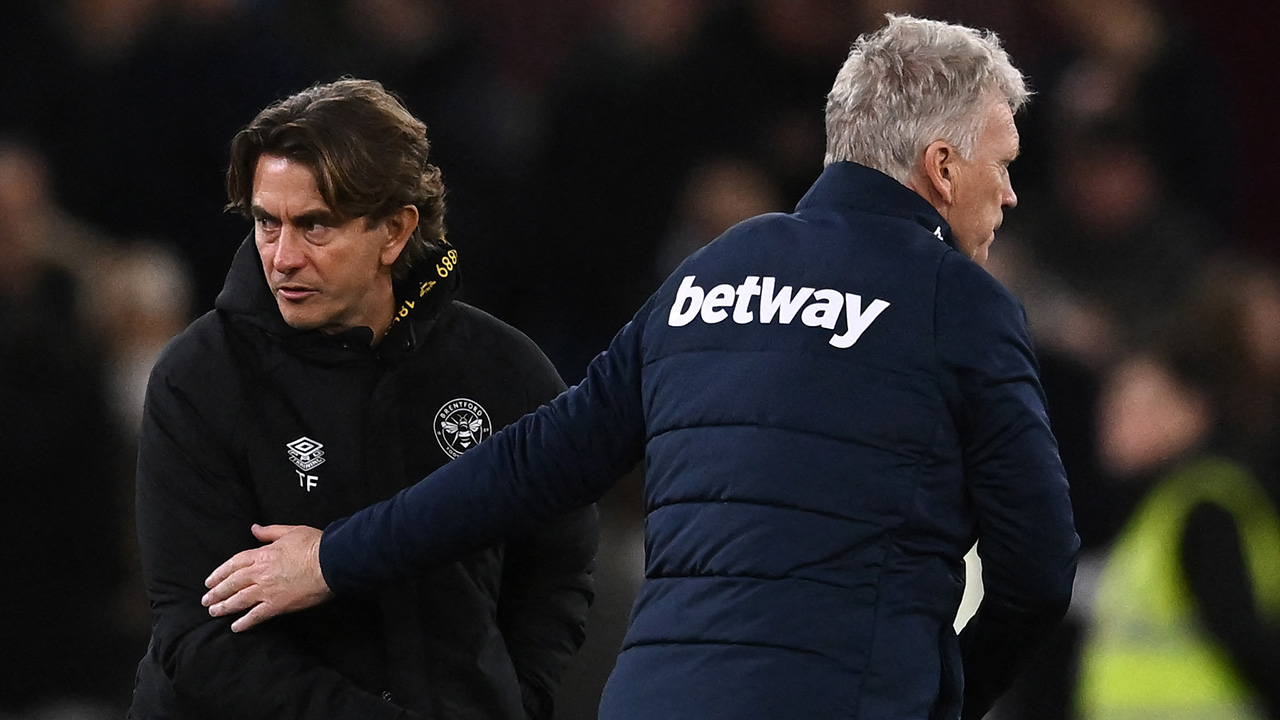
x=470, y=334
x=479, y=330
x=963, y=281
x=193, y=353
x=199, y=366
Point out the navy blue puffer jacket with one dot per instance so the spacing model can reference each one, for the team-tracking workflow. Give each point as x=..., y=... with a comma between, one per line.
x=833, y=405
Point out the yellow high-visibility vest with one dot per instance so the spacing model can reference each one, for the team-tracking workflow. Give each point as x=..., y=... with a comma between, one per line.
x=1146, y=656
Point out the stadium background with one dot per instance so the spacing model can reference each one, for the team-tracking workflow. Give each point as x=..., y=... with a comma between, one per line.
x=587, y=145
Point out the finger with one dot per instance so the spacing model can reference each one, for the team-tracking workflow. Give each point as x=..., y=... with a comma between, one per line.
x=237, y=582
x=237, y=593
x=271, y=533
x=242, y=559
x=244, y=600
x=259, y=613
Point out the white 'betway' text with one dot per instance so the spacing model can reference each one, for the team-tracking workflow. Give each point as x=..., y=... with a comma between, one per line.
x=817, y=308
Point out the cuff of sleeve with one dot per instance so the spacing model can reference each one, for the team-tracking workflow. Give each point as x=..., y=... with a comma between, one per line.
x=330, y=559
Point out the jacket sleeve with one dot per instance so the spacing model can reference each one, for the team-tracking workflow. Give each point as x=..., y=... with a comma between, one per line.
x=563, y=456
x=546, y=580
x=195, y=509
x=1026, y=536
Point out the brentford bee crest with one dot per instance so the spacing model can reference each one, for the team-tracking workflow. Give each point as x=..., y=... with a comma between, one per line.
x=460, y=425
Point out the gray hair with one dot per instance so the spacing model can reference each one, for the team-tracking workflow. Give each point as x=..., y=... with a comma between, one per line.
x=912, y=82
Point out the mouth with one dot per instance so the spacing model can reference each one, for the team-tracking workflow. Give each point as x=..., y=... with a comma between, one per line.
x=294, y=293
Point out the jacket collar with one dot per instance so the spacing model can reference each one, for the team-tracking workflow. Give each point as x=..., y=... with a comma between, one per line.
x=858, y=187
x=420, y=296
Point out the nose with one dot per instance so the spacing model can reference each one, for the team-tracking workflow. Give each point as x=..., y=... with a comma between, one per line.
x=1010, y=198
x=290, y=252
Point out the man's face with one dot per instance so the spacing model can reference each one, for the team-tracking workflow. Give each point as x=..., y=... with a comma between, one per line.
x=981, y=184
x=325, y=274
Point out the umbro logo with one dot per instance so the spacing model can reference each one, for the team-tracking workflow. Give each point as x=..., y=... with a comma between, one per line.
x=306, y=453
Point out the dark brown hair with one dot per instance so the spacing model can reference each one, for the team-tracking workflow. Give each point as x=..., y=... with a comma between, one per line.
x=368, y=154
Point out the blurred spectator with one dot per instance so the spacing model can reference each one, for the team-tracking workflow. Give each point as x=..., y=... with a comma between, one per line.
x=1186, y=618
x=63, y=460
x=627, y=116
x=1134, y=64
x=85, y=102
x=207, y=66
x=717, y=195
x=46, y=231
x=1243, y=35
x=1235, y=302
x=1106, y=258
x=436, y=58
x=770, y=64
x=132, y=102
x=131, y=297
x=143, y=299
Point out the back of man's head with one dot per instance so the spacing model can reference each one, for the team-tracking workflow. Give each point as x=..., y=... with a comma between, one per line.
x=367, y=152
x=910, y=83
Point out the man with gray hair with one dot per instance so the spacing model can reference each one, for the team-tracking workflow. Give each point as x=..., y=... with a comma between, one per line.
x=833, y=405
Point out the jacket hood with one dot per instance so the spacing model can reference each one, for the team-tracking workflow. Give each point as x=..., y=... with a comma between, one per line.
x=430, y=285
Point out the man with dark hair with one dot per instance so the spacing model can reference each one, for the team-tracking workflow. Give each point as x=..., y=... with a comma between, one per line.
x=833, y=405
x=335, y=370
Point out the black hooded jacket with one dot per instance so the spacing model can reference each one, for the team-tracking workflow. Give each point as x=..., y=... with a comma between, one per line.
x=249, y=420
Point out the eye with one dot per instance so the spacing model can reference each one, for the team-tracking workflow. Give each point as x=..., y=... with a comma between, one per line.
x=317, y=232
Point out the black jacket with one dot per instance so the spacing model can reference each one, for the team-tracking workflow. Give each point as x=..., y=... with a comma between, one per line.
x=248, y=420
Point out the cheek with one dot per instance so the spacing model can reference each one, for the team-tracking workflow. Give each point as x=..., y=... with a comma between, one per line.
x=266, y=255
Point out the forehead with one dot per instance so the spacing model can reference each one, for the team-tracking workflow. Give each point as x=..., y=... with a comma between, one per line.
x=999, y=131
x=279, y=180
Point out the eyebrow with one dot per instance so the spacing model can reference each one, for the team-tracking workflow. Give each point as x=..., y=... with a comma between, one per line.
x=311, y=217
x=316, y=217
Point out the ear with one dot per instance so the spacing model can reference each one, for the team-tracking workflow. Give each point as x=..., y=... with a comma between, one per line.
x=400, y=225
x=940, y=170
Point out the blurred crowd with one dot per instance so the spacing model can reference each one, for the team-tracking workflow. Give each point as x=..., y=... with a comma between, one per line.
x=588, y=146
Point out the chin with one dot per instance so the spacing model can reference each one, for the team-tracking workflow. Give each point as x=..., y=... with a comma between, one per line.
x=299, y=320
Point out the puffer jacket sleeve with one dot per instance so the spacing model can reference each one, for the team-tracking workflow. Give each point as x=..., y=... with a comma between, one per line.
x=546, y=575
x=563, y=456
x=194, y=509
x=1026, y=535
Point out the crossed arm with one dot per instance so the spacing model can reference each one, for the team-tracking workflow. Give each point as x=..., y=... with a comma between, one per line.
x=193, y=510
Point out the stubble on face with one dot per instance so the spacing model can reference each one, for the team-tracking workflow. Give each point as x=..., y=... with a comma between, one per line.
x=325, y=273
x=983, y=188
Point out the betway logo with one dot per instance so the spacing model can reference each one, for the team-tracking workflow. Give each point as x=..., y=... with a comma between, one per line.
x=817, y=308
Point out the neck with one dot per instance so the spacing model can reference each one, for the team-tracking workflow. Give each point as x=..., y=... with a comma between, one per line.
x=925, y=189
x=380, y=321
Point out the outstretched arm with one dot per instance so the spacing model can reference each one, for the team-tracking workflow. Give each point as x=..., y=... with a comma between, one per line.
x=280, y=577
x=563, y=456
